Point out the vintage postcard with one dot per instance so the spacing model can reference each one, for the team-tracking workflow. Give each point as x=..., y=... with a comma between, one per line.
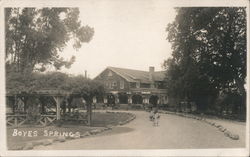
x=124, y=78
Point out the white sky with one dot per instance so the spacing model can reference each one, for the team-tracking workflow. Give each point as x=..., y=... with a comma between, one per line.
x=128, y=34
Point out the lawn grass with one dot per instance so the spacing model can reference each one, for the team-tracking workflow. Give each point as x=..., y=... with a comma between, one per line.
x=104, y=119
x=99, y=120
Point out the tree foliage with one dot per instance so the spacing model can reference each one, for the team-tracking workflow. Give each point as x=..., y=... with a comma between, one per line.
x=209, y=53
x=35, y=36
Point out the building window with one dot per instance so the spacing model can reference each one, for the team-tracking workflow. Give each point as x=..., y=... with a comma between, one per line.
x=160, y=85
x=114, y=84
x=132, y=84
x=110, y=85
x=121, y=84
x=137, y=84
x=107, y=84
x=145, y=85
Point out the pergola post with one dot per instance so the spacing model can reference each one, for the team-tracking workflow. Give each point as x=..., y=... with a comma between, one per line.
x=41, y=99
x=89, y=109
x=24, y=100
x=14, y=105
x=58, y=100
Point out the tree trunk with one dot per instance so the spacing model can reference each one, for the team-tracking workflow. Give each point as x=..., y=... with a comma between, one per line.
x=69, y=101
x=240, y=85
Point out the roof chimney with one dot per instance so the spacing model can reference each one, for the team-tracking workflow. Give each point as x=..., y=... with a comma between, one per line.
x=151, y=72
x=85, y=75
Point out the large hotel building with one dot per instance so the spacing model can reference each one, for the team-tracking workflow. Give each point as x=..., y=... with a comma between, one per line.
x=128, y=86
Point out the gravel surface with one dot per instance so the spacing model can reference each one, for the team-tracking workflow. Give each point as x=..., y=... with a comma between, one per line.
x=174, y=132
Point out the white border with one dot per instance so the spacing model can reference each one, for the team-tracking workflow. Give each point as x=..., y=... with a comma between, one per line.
x=153, y=152
x=3, y=137
x=248, y=79
x=77, y=3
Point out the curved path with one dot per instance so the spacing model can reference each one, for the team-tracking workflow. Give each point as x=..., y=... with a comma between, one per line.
x=174, y=132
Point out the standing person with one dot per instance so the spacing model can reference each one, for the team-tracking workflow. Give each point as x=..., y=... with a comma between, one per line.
x=151, y=116
x=156, y=118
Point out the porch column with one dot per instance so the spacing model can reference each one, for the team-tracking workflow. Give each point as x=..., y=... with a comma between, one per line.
x=94, y=100
x=105, y=100
x=58, y=100
x=165, y=99
x=129, y=99
x=116, y=99
x=160, y=100
x=146, y=100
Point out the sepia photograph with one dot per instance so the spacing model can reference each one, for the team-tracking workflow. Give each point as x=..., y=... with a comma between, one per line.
x=124, y=78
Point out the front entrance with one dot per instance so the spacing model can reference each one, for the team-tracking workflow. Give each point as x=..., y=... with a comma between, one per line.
x=137, y=99
x=123, y=98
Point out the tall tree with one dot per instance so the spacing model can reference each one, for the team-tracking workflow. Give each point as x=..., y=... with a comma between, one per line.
x=35, y=36
x=209, y=52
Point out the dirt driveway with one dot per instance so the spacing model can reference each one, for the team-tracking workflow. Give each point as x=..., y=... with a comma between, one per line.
x=174, y=132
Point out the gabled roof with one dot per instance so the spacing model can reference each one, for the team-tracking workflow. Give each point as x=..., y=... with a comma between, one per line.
x=135, y=75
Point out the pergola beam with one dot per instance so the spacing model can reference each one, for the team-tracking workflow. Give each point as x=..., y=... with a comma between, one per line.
x=58, y=96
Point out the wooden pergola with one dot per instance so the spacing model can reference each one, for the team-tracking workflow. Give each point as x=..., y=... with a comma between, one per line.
x=57, y=95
